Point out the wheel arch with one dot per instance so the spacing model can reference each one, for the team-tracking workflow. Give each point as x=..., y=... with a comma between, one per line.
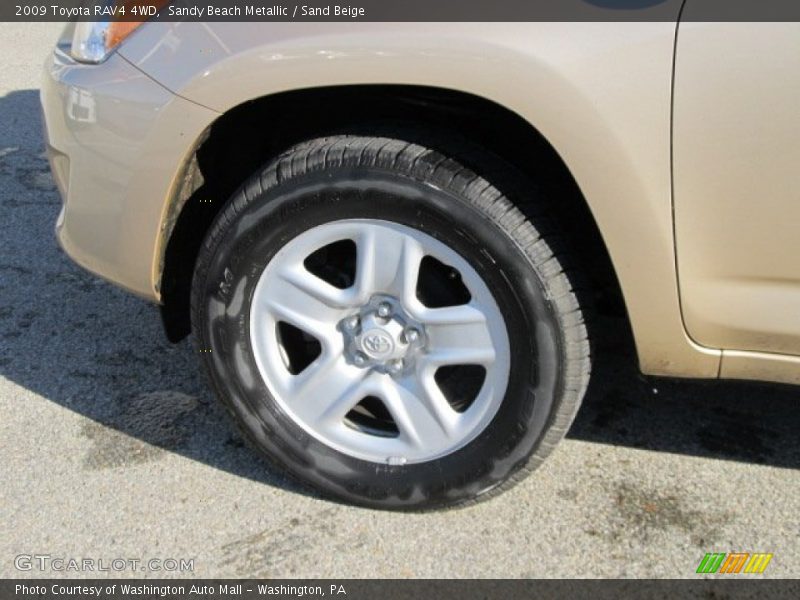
x=599, y=94
x=233, y=147
x=618, y=205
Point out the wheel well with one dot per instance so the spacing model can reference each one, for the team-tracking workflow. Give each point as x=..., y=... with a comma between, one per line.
x=471, y=129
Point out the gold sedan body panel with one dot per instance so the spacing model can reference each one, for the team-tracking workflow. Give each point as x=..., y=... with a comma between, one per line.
x=600, y=93
x=737, y=192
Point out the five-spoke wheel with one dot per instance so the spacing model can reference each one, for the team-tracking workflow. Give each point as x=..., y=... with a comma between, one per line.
x=389, y=326
x=373, y=375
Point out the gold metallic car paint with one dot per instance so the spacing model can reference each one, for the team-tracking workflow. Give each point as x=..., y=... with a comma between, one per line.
x=600, y=93
x=737, y=188
x=760, y=365
x=573, y=82
x=123, y=138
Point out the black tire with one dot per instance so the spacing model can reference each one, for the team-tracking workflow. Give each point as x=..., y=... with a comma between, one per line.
x=420, y=188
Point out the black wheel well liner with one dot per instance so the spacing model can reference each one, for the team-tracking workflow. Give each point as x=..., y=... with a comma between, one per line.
x=246, y=137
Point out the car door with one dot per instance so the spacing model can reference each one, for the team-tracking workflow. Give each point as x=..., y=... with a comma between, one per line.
x=736, y=174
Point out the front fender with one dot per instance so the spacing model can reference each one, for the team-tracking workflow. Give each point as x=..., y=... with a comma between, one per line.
x=600, y=93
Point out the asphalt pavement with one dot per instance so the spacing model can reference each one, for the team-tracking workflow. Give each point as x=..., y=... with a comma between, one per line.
x=113, y=447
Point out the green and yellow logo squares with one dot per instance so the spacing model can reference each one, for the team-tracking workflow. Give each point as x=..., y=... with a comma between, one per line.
x=734, y=563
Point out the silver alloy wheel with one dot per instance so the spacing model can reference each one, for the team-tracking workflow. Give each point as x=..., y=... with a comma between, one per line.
x=378, y=340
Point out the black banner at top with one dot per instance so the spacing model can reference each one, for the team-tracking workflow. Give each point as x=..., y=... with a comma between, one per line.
x=401, y=10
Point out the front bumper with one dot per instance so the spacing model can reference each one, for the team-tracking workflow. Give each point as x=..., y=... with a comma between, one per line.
x=116, y=141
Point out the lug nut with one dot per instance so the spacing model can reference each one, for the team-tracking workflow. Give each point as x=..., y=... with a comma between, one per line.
x=396, y=365
x=411, y=336
x=352, y=323
x=384, y=310
x=360, y=360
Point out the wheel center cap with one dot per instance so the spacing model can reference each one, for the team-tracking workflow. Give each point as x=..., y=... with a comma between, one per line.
x=382, y=336
x=377, y=344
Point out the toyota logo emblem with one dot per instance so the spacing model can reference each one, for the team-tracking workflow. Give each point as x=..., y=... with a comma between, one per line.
x=378, y=344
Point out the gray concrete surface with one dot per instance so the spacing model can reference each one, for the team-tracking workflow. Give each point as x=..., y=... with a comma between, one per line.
x=112, y=446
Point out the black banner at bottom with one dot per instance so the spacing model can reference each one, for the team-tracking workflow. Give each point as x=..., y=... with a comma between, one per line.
x=351, y=589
